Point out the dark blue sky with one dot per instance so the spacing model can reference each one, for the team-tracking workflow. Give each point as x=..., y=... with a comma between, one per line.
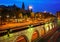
x=38, y=5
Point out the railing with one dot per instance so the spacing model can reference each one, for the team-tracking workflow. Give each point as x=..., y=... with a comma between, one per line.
x=16, y=29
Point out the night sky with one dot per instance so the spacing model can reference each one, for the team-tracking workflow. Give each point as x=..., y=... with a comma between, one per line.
x=38, y=5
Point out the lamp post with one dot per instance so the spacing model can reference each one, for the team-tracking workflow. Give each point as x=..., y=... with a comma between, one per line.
x=30, y=26
x=30, y=8
x=8, y=32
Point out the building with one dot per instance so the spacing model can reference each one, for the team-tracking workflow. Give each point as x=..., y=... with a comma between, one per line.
x=58, y=15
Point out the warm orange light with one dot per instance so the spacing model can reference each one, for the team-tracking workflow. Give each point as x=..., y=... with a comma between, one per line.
x=34, y=36
x=41, y=31
x=21, y=39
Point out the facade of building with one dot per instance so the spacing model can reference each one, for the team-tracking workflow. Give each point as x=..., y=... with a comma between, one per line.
x=58, y=15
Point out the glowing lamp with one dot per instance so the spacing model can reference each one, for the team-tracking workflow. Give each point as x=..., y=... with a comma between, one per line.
x=30, y=7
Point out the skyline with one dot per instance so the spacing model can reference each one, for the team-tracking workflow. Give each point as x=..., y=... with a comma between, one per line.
x=38, y=6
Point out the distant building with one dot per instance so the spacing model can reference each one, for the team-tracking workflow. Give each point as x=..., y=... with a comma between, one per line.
x=23, y=6
x=58, y=14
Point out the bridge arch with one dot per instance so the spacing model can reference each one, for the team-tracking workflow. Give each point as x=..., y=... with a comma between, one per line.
x=22, y=38
x=42, y=31
x=47, y=28
x=35, y=35
x=50, y=26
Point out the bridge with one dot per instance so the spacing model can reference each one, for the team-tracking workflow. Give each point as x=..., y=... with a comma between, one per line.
x=27, y=33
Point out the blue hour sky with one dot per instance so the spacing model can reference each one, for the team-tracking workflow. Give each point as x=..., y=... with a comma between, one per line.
x=38, y=5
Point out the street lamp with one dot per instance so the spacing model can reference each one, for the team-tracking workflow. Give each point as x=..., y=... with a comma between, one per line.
x=30, y=7
x=8, y=32
x=30, y=26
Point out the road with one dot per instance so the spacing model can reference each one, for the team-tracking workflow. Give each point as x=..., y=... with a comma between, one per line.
x=12, y=25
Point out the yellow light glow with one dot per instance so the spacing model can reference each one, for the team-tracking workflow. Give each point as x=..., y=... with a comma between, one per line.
x=53, y=25
x=11, y=35
x=46, y=27
x=5, y=36
x=50, y=24
x=41, y=32
x=30, y=29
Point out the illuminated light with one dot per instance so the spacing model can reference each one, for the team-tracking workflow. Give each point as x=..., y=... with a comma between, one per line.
x=46, y=27
x=5, y=36
x=53, y=25
x=20, y=20
x=41, y=31
x=27, y=19
x=29, y=31
x=11, y=35
x=30, y=7
x=31, y=28
x=31, y=25
x=21, y=39
x=35, y=35
x=50, y=26
x=15, y=20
